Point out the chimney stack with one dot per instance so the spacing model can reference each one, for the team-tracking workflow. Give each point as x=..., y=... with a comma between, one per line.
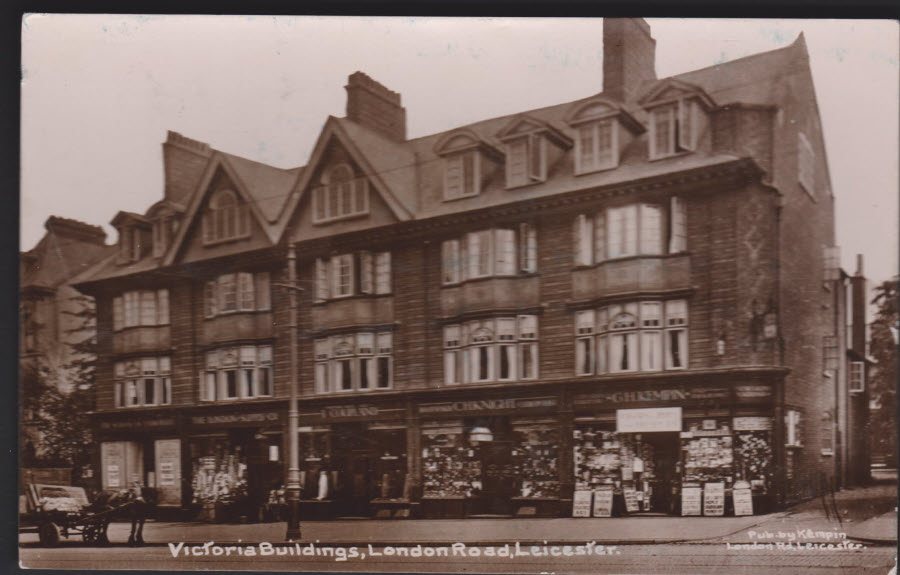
x=184, y=161
x=629, y=58
x=373, y=106
x=858, y=311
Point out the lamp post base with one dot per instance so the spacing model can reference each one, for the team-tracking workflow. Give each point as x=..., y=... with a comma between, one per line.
x=293, y=526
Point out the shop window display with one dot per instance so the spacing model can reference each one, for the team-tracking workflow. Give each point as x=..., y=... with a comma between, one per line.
x=219, y=478
x=708, y=455
x=450, y=466
x=625, y=462
x=753, y=458
x=536, y=457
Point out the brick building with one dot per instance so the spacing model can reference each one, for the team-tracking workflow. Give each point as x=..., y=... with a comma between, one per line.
x=620, y=294
x=48, y=326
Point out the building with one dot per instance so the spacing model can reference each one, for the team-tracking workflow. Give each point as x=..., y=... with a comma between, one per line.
x=622, y=293
x=845, y=419
x=49, y=327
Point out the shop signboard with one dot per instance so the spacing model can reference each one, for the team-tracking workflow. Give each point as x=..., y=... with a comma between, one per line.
x=743, y=502
x=603, y=503
x=714, y=499
x=581, y=504
x=690, y=500
x=631, y=500
x=143, y=424
x=648, y=420
x=752, y=423
x=753, y=392
x=112, y=476
x=168, y=463
x=487, y=405
x=237, y=419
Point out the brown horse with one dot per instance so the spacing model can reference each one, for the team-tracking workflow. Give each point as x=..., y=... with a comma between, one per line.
x=135, y=505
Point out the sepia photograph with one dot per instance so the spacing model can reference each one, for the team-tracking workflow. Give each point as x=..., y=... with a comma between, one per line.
x=458, y=295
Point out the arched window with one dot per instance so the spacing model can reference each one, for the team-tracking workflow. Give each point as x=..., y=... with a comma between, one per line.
x=226, y=218
x=341, y=194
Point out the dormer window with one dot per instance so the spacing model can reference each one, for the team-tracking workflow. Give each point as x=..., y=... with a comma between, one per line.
x=163, y=231
x=341, y=195
x=597, y=146
x=226, y=218
x=462, y=174
x=673, y=129
x=526, y=160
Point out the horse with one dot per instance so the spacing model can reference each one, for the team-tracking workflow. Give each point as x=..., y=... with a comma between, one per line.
x=142, y=504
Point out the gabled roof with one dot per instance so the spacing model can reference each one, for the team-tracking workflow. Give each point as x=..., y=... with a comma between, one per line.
x=600, y=107
x=389, y=165
x=222, y=161
x=124, y=217
x=463, y=139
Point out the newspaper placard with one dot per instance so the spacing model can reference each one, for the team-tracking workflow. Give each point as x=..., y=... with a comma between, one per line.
x=714, y=499
x=631, y=501
x=743, y=502
x=690, y=500
x=603, y=503
x=581, y=504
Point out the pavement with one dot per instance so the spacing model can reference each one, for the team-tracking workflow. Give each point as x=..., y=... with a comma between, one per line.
x=867, y=515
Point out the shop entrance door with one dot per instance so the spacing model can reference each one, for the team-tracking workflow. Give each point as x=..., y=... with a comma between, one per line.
x=666, y=455
x=354, y=460
x=498, y=480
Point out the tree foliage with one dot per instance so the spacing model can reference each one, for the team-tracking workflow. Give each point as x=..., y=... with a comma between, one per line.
x=883, y=376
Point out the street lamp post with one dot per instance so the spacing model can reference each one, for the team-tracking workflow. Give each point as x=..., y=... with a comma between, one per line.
x=293, y=475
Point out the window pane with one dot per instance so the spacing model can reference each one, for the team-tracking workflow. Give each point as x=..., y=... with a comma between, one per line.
x=364, y=367
x=345, y=369
x=166, y=398
x=677, y=349
x=600, y=236
x=651, y=314
x=118, y=313
x=451, y=262
x=148, y=308
x=678, y=239
x=265, y=381
x=483, y=363
x=249, y=383
x=528, y=361
x=586, y=148
x=248, y=299
x=321, y=377
x=149, y=391
x=584, y=321
x=227, y=293
x=470, y=186
x=450, y=359
x=321, y=280
x=507, y=361
x=231, y=389
x=210, y=391
x=209, y=298
x=583, y=240
x=651, y=351
x=385, y=343
x=365, y=272
x=584, y=356
x=517, y=162
x=605, y=151
x=383, y=272
x=263, y=291
x=118, y=397
x=451, y=336
x=662, y=124
x=651, y=229
x=602, y=353
x=384, y=372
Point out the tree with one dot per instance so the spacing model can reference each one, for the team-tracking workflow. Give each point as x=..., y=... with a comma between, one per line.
x=883, y=376
x=64, y=422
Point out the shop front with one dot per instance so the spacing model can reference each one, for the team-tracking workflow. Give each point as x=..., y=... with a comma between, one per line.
x=141, y=449
x=353, y=460
x=236, y=461
x=673, y=450
x=490, y=457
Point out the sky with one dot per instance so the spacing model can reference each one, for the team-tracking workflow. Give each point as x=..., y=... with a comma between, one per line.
x=99, y=93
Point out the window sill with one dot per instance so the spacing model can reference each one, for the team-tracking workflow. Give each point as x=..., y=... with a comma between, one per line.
x=326, y=221
x=670, y=155
x=521, y=275
x=237, y=312
x=460, y=197
x=524, y=184
x=213, y=243
x=124, y=329
x=362, y=296
x=631, y=257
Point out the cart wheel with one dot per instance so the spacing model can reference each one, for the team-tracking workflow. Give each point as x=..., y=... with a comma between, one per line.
x=48, y=533
x=92, y=532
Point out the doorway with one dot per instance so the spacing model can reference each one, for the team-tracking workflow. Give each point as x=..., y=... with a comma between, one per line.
x=666, y=449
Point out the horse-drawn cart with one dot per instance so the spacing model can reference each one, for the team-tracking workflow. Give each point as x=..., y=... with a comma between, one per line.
x=56, y=511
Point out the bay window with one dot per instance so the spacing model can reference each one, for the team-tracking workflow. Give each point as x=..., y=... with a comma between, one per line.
x=237, y=373
x=231, y=293
x=341, y=195
x=350, y=274
x=141, y=308
x=493, y=252
x=142, y=382
x=630, y=230
x=360, y=361
x=635, y=336
x=226, y=218
x=496, y=349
